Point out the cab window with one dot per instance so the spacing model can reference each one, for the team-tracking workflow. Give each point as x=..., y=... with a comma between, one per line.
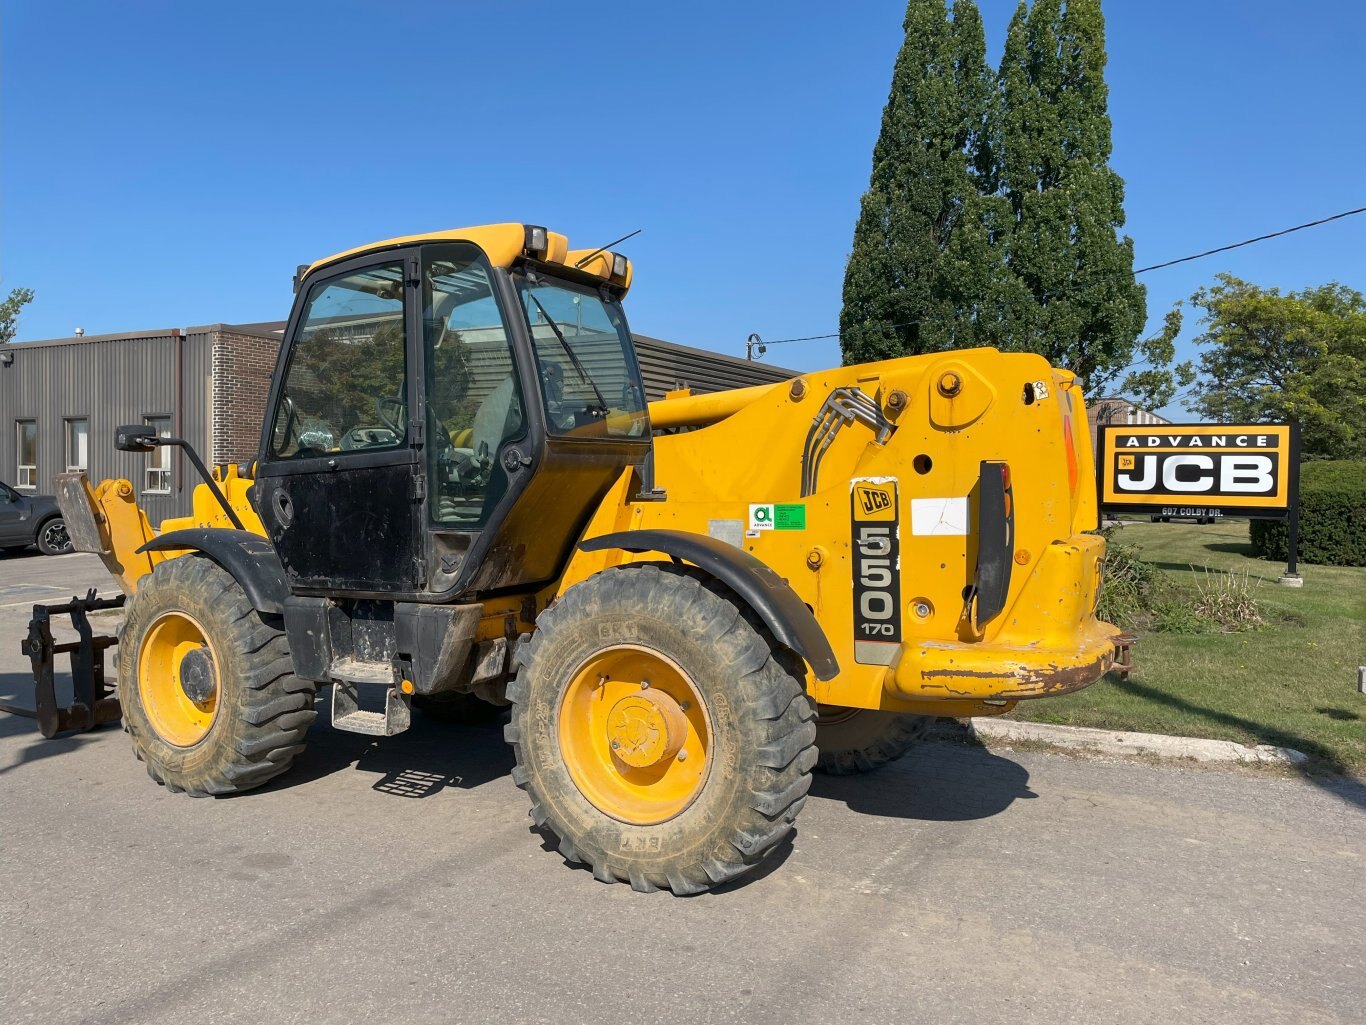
x=345, y=390
x=589, y=381
x=474, y=398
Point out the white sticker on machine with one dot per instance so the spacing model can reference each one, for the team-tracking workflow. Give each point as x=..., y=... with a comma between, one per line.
x=939, y=517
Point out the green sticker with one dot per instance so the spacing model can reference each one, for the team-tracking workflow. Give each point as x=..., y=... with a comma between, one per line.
x=789, y=517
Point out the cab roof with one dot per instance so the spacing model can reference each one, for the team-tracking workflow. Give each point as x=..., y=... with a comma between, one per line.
x=503, y=244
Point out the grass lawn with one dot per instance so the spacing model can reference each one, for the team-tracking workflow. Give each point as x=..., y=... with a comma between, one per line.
x=1291, y=683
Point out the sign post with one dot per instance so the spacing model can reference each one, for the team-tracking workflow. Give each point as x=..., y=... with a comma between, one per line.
x=1204, y=469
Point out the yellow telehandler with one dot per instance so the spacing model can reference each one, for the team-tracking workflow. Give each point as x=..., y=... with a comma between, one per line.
x=462, y=501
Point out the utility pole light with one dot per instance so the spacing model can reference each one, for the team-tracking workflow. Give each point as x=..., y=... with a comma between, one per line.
x=754, y=344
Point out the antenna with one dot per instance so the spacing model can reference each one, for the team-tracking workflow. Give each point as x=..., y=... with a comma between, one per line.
x=609, y=245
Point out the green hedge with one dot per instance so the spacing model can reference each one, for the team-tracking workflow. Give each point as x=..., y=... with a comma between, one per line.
x=1332, y=517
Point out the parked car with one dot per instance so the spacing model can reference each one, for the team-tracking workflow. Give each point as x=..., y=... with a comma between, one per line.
x=31, y=520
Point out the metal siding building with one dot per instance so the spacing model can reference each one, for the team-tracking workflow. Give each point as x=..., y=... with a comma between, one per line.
x=666, y=366
x=108, y=380
x=211, y=383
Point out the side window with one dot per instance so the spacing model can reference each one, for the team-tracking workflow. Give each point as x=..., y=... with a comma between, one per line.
x=345, y=389
x=156, y=474
x=474, y=400
x=26, y=437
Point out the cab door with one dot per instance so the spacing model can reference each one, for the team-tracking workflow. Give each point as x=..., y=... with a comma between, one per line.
x=337, y=486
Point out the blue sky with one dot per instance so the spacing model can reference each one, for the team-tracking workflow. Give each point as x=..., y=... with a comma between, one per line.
x=167, y=164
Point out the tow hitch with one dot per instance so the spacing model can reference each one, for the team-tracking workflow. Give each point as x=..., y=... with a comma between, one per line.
x=94, y=701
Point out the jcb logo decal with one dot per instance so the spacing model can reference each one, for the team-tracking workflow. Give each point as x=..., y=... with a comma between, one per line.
x=874, y=502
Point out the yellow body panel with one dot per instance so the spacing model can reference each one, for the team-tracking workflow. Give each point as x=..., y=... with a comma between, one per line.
x=502, y=244
x=745, y=448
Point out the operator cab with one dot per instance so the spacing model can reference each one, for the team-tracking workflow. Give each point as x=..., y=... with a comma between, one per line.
x=438, y=405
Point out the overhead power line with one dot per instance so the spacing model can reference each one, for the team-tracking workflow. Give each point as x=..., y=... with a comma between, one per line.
x=1097, y=281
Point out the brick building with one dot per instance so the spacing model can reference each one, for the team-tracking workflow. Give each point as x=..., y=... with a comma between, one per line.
x=61, y=399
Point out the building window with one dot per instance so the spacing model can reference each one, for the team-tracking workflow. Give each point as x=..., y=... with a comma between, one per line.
x=26, y=434
x=157, y=476
x=77, y=444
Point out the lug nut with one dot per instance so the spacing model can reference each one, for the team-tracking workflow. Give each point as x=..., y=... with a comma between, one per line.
x=644, y=684
x=683, y=755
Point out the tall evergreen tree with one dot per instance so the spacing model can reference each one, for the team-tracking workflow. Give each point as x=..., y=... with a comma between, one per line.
x=1073, y=296
x=920, y=243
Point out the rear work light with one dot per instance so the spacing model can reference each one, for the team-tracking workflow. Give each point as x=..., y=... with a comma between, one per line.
x=537, y=240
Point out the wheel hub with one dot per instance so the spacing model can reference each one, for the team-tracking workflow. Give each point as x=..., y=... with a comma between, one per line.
x=197, y=676
x=635, y=734
x=646, y=728
x=178, y=679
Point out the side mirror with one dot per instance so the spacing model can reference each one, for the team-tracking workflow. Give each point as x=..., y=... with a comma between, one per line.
x=135, y=438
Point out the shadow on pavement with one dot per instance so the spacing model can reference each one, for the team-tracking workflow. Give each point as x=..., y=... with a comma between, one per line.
x=17, y=689
x=940, y=781
x=426, y=759
x=1325, y=770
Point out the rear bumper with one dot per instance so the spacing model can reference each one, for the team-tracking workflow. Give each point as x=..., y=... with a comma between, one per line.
x=950, y=669
x=1047, y=641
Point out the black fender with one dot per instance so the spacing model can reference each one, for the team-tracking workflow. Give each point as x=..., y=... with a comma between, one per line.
x=768, y=594
x=250, y=558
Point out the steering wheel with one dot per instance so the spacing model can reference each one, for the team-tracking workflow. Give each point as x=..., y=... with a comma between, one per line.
x=399, y=407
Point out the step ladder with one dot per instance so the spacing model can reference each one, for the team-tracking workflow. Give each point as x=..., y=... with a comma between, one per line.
x=348, y=676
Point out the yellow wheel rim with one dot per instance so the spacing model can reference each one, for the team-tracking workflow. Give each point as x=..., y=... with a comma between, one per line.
x=178, y=679
x=635, y=735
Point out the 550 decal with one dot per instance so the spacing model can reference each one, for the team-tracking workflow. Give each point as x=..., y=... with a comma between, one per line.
x=876, y=538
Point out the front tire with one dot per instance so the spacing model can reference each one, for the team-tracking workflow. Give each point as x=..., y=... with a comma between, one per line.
x=853, y=740
x=659, y=731
x=208, y=690
x=53, y=538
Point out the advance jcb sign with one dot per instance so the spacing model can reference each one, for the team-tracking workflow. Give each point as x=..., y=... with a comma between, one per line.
x=1248, y=469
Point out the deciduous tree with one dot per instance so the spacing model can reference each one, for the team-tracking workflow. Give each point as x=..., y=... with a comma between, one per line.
x=9, y=313
x=1299, y=356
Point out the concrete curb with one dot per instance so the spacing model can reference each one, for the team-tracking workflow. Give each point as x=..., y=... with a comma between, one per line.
x=1118, y=742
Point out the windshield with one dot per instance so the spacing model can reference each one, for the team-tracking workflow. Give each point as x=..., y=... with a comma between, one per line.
x=583, y=355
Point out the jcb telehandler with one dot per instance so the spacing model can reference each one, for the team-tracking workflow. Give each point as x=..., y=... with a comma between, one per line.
x=462, y=500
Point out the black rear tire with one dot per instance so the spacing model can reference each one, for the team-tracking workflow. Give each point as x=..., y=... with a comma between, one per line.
x=760, y=728
x=263, y=711
x=853, y=740
x=52, y=537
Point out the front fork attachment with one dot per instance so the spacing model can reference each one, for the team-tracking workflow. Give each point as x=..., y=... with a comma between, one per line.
x=94, y=701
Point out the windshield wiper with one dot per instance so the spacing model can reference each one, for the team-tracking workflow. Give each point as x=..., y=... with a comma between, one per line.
x=573, y=358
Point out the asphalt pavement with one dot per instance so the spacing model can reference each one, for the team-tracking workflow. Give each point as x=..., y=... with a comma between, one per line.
x=399, y=880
